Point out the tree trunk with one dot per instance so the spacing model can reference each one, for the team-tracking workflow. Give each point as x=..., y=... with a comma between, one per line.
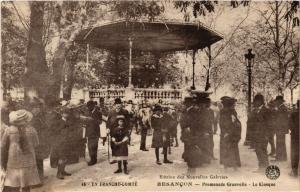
x=278, y=50
x=58, y=63
x=69, y=72
x=36, y=71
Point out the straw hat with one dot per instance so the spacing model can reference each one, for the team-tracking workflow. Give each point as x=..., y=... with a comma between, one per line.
x=20, y=117
x=120, y=117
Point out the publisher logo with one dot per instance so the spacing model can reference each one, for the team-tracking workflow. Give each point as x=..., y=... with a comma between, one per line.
x=272, y=172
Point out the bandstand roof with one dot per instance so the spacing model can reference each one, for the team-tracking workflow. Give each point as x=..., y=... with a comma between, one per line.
x=149, y=36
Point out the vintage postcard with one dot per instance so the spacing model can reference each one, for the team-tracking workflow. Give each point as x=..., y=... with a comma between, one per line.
x=149, y=96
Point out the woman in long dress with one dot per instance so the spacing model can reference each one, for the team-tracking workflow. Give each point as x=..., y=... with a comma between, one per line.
x=230, y=134
x=17, y=153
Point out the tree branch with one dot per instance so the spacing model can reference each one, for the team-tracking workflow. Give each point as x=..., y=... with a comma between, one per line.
x=25, y=25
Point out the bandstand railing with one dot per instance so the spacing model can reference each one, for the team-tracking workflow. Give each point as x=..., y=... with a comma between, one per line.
x=173, y=94
x=138, y=94
x=107, y=93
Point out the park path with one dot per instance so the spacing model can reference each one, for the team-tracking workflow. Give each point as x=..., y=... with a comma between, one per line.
x=148, y=175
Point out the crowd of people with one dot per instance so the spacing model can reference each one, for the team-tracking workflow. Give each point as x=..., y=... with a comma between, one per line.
x=61, y=130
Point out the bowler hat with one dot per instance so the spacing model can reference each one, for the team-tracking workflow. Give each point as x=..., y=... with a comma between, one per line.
x=165, y=108
x=157, y=108
x=118, y=101
x=259, y=97
x=90, y=104
x=279, y=98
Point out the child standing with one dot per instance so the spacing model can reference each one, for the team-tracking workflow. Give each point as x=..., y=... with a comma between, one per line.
x=120, y=138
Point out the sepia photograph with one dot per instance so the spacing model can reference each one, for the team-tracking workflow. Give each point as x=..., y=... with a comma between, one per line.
x=149, y=95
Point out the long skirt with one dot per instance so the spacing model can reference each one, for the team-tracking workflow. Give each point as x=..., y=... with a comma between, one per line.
x=231, y=156
x=22, y=177
x=281, y=154
x=120, y=152
x=222, y=150
x=157, y=139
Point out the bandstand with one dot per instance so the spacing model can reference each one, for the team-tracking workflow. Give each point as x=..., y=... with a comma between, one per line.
x=147, y=36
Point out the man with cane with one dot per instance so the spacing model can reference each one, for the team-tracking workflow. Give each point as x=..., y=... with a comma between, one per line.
x=93, y=131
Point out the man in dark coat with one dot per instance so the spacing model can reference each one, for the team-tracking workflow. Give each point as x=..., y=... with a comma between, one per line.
x=93, y=131
x=117, y=110
x=211, y=127
x=294, y=127
x=169, y=126
x=114, y=113
x=281, y=128
x=42, y=151
x=132, y=117
x=173, y=127
x=272, y=121
x=185, y=124
x=144, y=123
x=206, y=129
x=250, y=132
x=261, y=124
x=59, y=134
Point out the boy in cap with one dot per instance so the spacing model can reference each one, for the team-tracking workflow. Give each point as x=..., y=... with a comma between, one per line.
x=159, y=138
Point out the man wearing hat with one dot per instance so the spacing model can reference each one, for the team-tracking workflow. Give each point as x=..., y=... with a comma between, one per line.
x=294, y=127
x=281, y=128
x=38, y=122
x=205, y=126
x=131, y=115
x=93, y=131
x=185, y=123
x=117, y=110
x=144, y=123
x=261, y=132
x=212, y=127
x=272, y=118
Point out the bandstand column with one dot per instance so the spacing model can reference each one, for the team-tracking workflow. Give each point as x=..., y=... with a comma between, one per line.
x=193, y=75
x=129, y=92
x=130, y=63
x=85, y=91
